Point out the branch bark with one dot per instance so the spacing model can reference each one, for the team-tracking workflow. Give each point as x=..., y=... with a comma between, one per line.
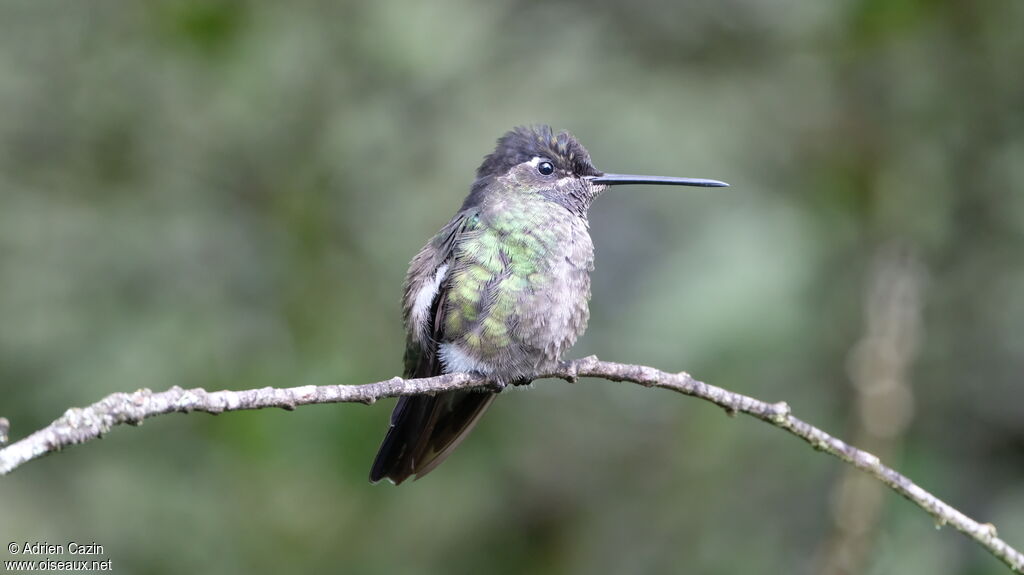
x=79, y=425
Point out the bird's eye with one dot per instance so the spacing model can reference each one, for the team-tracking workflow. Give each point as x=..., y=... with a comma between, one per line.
x=545, y=168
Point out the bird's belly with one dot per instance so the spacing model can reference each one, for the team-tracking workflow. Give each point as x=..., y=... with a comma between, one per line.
x=515, y=311
x=556, y=313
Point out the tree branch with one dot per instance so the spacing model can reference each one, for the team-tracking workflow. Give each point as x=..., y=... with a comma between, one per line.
x=79, y=425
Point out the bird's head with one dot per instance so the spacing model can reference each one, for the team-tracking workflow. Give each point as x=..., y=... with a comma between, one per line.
x=535, y=159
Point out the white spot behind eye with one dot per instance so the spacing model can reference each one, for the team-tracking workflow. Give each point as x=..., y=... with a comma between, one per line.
x=535, y=161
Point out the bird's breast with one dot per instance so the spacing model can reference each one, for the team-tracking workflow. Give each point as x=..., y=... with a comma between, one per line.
x=519, y=287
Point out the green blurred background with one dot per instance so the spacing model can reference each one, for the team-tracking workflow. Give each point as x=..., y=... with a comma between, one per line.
x=226, y=195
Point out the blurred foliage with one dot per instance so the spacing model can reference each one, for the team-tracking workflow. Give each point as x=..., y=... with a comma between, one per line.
x=225, y=194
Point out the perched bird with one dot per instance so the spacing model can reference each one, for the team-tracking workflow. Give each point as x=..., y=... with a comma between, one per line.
x=502, y=290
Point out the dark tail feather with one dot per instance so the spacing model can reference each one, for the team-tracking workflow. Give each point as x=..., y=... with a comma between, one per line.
x=424, y=431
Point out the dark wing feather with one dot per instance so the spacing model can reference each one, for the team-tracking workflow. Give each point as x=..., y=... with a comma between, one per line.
x=425, y=429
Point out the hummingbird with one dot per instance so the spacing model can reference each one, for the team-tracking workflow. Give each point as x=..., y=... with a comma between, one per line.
x=501, y=291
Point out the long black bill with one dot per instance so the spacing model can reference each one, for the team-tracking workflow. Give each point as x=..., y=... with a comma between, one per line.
x=621, y=179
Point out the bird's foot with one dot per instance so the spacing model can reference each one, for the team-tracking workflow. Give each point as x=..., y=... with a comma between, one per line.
x=497, y=386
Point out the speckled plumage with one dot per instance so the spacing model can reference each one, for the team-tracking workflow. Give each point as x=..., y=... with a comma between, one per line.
x=518, y=284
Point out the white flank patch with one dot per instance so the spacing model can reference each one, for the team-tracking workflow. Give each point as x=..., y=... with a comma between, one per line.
x=425, y=297
x=456, y=360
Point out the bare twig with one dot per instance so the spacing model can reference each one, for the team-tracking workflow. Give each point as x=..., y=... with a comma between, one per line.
x=81, y=425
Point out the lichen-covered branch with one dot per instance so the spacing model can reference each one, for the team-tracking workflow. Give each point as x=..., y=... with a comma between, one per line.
x=81, y=425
